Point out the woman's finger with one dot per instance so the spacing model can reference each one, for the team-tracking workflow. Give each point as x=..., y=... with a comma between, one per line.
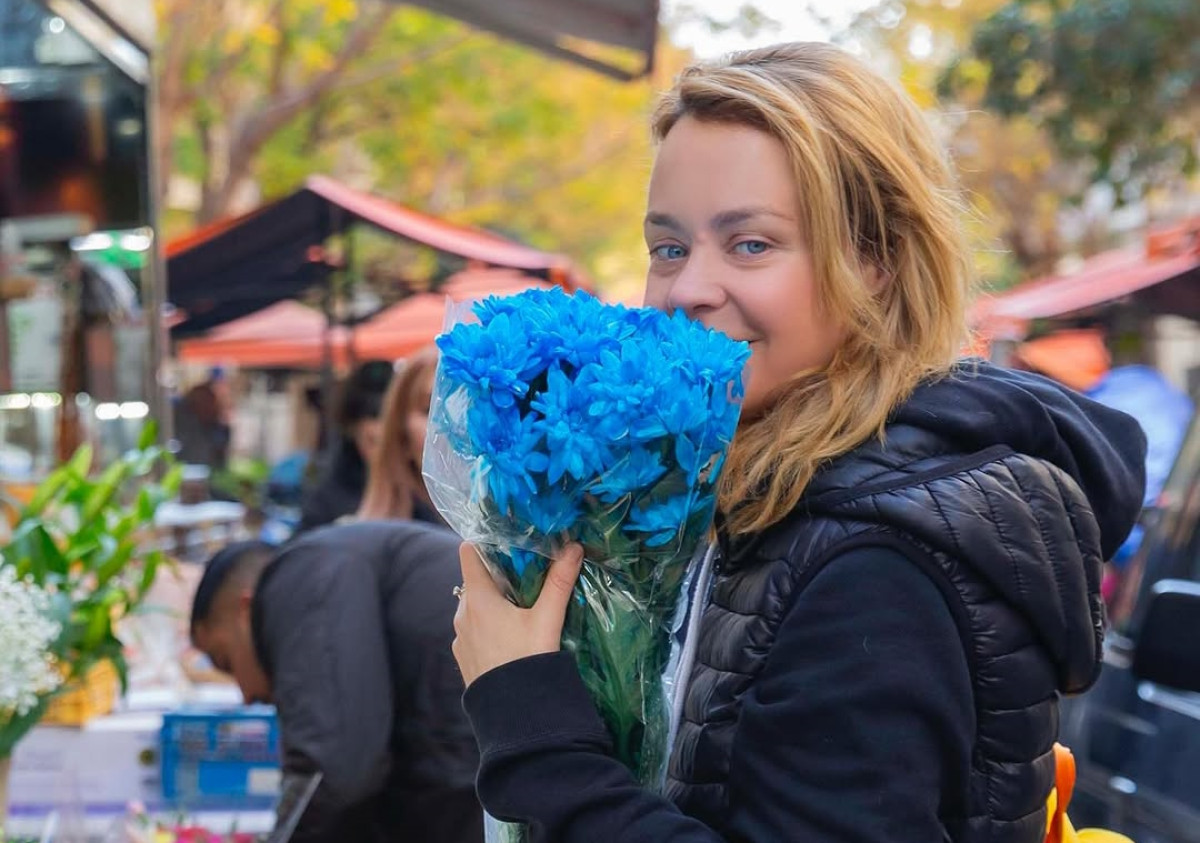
x=474, y=573
x=477, y=579
x=560, y=584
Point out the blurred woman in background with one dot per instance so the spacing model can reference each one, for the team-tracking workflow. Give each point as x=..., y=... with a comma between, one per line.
x=395, y=488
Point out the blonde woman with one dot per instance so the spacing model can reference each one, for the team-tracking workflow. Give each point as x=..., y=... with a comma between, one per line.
x=907, y=571
x=395, y=487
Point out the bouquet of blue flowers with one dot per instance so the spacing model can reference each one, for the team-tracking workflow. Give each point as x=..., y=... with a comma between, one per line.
x=557, y=418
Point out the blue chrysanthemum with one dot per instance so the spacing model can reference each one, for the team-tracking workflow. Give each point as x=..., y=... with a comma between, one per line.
x=664, y=521
x=486, y=359
x=568, y=400
x=637, y=469
x=573, y=441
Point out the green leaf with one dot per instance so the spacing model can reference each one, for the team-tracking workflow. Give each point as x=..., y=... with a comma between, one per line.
x=115, y=563
x=104, y=491
x=99, y=624
x=126, y=524
x=142, y=462
x=117, y=657
x=149, y=435
x=82, y=546
x=36, y=553
x=171, y=483
x=146, y=503
x=150, y=568
x=81, y=461
x=14, y=728
x=47, y=491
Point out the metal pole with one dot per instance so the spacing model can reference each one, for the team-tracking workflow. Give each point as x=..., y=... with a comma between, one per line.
x=328, y=411
x=348, y=282
x=154, y=278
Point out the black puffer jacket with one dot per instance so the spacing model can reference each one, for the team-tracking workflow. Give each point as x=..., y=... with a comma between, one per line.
x=1010, y=493
x=882, y=665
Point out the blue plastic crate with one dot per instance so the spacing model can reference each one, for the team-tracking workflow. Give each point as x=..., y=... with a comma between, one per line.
x=221, y=758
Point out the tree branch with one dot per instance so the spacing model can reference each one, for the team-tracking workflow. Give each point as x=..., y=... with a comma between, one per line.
x=282, y=51
x=392, y=68
x=268, y=121
x=319, y=130
x=254, y=126
x=549, y=178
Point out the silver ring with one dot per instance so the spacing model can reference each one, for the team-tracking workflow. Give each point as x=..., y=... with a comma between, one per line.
x=458, y=591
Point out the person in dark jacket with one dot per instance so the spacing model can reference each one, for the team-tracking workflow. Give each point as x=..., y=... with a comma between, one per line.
x=342, y=479
x=906, y=575
x=347, y=631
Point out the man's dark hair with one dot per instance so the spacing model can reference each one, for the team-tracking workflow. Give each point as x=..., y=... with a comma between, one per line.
x=239, y=560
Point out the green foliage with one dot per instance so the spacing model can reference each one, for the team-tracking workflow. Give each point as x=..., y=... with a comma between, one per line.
x=426, y=111
x=1116, y=83
x=243, y=480
x=80, y=538
x=1012, y=175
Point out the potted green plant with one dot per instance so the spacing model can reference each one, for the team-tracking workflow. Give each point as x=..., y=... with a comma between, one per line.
x=79, y=548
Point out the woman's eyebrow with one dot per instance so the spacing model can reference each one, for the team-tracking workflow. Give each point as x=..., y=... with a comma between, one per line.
x=737, y=216
x=665, y=221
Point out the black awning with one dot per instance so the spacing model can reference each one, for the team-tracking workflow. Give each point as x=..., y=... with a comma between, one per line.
x=557, y=27
x=240, y=266
x=237, y=266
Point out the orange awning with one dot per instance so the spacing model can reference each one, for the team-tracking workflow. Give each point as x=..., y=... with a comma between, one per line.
x=1106, y=277
x=284, y=335
x=291, y=335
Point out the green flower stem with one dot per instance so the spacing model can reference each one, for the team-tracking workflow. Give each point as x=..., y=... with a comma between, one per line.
x=618, y=627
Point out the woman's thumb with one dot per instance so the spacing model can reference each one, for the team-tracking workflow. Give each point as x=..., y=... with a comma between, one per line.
x=560, y=582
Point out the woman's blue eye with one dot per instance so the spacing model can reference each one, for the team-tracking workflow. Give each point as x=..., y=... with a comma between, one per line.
x=752, y=247
x=671, y=252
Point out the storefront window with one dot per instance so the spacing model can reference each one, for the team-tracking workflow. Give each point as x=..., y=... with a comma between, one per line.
x=73, y=174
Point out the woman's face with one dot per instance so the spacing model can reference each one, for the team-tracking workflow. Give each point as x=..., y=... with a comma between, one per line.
x=723, y=229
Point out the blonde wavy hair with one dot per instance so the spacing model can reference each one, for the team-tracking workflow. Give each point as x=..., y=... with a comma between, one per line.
x=878, y=200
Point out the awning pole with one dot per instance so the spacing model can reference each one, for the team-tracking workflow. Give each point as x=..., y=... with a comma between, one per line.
x=328, y=384
x=348, y=279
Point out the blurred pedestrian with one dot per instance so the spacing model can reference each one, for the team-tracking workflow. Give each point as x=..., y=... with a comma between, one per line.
x=202, y=426
x=347, y=632
x=395, y=487
x=342, y=479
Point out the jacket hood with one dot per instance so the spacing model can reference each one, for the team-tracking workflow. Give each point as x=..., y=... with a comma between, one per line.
x=1103, y=450
x=1024, y=481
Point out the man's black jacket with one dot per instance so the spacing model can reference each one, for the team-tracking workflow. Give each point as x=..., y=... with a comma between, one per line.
x=353, y=625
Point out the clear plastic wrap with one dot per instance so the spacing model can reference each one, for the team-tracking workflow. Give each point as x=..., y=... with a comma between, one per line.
x=556, y=418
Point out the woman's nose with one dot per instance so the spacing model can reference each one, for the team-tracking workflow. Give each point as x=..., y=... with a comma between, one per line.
x=698, y=286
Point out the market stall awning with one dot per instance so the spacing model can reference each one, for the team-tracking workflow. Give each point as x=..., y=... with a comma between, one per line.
x=416, y=321
x=1107, y=277
x=286, y=334
x=237, y=266
x=569, y=29
x=290, y=335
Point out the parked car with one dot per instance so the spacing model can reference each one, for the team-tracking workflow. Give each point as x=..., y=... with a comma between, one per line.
x=1136, y=734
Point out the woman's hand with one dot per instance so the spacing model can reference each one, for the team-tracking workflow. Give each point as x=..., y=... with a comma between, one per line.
x=490, y=631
